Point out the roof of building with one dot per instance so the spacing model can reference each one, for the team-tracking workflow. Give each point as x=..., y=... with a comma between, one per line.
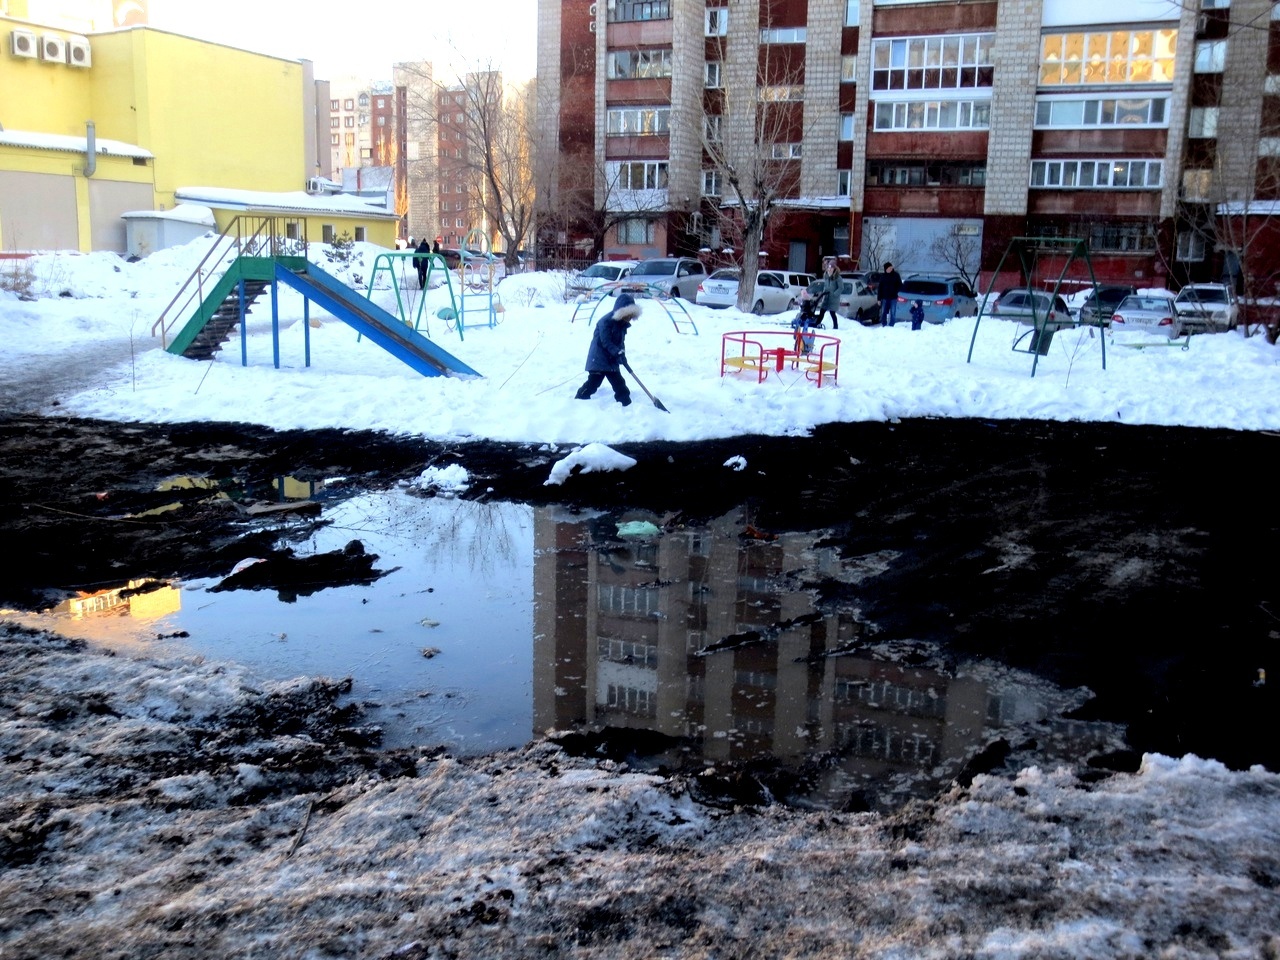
x=183, y=212
x=297, y=201
x=72, y=144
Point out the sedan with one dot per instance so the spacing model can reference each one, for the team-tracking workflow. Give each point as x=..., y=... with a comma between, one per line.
x=1147, y=313
x=1102, y=302
x=721, y=290
x=597, y=275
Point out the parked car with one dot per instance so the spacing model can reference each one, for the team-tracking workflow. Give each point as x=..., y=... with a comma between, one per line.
x=942, y=297
x=1208, y=307
x=1101, y=304
x=677, y=276
x=772, y=295
x=798, y=282
x=597, y=275
x=855, y=300
x=1032, y=307
x=1149, y=312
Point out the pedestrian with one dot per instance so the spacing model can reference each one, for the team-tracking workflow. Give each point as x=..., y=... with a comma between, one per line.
x=887, y=292
x=917, y=315
x=608, y=351
x=831, y=284
x=436, y=248
x=421, y=262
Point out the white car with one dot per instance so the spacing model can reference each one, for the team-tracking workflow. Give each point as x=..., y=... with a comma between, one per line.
x=721, y=290
x=598, y=274
x=1150, y=313
x=1206, y=307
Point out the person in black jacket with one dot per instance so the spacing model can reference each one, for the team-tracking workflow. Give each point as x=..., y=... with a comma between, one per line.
x=420, y=262
x=887, y=292
x=608, y=351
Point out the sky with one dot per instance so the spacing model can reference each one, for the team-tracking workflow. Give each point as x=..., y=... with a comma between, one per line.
x=1176, y=859
x=364, y=39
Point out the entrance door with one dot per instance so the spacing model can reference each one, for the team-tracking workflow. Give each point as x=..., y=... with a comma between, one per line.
x=798, y=256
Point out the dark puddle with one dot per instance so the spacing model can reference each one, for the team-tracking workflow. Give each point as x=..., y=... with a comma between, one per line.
x=697, y=648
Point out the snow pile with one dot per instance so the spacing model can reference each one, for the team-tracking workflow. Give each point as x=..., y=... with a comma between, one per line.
x=592, y=458
x=449, y=481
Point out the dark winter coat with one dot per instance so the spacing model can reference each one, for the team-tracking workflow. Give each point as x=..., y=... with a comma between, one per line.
x=608, y=342
x=890, y=285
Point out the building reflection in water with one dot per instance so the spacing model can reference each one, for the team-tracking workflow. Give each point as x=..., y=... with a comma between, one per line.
x=705, y=634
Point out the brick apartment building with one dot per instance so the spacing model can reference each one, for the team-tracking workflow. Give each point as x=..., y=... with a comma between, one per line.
x=916, y=127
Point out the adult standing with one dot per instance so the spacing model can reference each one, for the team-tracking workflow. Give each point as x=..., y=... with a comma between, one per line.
x=420, y=262
x=831, y=284
x=887, y=292
x=608, y=351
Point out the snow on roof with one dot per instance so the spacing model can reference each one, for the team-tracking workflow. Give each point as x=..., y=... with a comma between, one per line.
x=297, y=201
x=71, y=144
x=798, y=203
x=183, y=212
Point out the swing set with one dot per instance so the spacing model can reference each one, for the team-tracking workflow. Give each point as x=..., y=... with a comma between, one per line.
x=1036, y=256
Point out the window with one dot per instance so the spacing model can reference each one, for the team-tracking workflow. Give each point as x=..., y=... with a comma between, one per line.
x=637, y=121
x=360, y=234
x=334, y=123
x=848, y=68
x=783, y=93
x=333, y=104
x=364, y=100
x=1196, y=184
x=711, y=184
x=901, y=173
x=638, y=64
x=711, y=128
x=933, y=115
x=327, y=233
x=716, y=23
x=334, y=139
x=348, y=121
x=844, y=183
x=1097, y=174
x=1070, y=112
x=1211, y=56
x=348, y=104
x=641, y=175
x=382, y=103
x=846, y=126
x=457, y=206
x=636, y=231
x=1190, y=246
x=1214, y=4
x=382, y=121
x=1202, y=122
x=1269, y=146
x=445, y=118
x=932, y=63
x=627, y=10
x=1116, y=56
x=457, y=188
x=712, y=75
x=784, y=35
x=1122, y=237
x=851, y=10
x=364, y=120
x=366, y=153
x=785, y=151
x=349, y=139
x=458, y=118
x=458, y=222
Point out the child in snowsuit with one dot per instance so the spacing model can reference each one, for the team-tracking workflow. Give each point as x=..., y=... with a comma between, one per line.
x=917, y=315
x=608, y=351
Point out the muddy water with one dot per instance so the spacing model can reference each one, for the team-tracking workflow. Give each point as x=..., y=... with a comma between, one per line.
x=697, y=647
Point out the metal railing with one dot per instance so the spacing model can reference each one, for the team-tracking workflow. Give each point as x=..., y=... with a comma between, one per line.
x=245, y=236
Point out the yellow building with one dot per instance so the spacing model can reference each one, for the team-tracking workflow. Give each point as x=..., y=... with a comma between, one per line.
x=94, y=125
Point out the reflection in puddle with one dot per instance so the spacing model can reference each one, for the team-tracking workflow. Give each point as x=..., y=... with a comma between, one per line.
x=498, y=622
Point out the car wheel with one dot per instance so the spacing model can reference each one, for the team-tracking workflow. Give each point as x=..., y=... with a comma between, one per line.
x=675, y=292
x=791, y=304
x=758, y=309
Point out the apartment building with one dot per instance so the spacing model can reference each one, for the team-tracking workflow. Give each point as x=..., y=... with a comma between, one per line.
x=927, y=132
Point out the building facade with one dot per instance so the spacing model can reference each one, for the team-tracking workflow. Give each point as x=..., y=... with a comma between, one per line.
x=926, y=132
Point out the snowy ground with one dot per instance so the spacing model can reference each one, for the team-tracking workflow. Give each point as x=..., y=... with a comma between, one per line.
x=182, y=809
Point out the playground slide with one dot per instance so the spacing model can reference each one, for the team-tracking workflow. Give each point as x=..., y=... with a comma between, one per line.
x=372, y=321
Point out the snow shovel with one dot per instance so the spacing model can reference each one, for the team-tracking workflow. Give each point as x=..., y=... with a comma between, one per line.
x=656, y=402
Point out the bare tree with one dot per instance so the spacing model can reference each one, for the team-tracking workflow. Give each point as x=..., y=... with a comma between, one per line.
x=752, y=133
x=879, y=243
x=961, y=252
x=494, y=149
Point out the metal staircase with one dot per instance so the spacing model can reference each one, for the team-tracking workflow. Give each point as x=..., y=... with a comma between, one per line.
x=219, y=327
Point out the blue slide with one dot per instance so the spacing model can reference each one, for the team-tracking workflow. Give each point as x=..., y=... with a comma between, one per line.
x=371, y=321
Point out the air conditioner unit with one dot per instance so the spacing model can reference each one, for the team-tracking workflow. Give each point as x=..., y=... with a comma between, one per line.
x=591, y=10
x=22, y=43
x=592, y=26
x=78, y=52
x=53, y=48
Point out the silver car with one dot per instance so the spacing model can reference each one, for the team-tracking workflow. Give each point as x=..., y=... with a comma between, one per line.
x=721, y=290
x=1147, y=313
x=599, y=274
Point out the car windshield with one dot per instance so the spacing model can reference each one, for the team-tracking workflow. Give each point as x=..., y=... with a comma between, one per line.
x=601, y=271
x=1203, y=295
x=655, y=268
x=926, y=288
x=725, y=274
